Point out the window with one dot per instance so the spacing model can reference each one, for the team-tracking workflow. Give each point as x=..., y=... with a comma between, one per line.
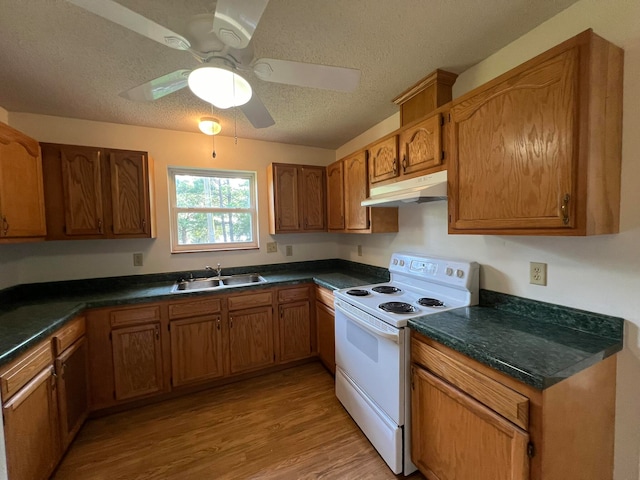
x=212, y=210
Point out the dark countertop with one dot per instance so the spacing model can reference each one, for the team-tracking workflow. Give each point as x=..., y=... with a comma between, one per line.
x=537, y=343
x=29, y=313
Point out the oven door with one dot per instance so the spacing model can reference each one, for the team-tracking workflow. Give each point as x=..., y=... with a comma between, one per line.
x=372, y=354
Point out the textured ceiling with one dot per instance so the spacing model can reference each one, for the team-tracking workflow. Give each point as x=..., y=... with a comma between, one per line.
x=58, y=59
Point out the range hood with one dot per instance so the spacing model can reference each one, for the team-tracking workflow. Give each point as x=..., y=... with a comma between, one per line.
x=427, y=188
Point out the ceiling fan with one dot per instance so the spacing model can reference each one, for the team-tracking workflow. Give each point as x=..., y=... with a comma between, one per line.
x=222, y=43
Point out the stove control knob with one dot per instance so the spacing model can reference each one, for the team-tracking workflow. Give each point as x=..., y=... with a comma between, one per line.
x=459, y=273
x=449, y=271
x=395, y=261
x=402, y=263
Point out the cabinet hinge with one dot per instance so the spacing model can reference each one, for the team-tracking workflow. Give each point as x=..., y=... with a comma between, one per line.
x=368, y=223
x=442, y=120
x=442, y=155
x=531, y=451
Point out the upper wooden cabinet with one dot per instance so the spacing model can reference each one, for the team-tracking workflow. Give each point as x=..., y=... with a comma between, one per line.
x=297, y=198
x=383, y=160
x=355, y=188
x=537, y=151
x=335, y=196
x=96, y=193
x=22, y=212
x=420, y=147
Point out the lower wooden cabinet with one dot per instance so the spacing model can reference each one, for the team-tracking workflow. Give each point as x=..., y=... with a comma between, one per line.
x=251, y=339
x=129, y=353
x=30, y=411
x=137, y=361
x=325, y=321
x=470, y=421
x=455, y=436
x=196, y=349
x=73, y=390
x=295, y=321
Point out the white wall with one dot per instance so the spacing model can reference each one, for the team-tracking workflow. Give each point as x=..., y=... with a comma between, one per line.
x=600, y=274
x=62, y=260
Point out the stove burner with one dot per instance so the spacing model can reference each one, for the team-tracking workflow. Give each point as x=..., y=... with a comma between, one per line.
x=357, y=292
x=431, y=302
x=397, y=307
x=386, y=289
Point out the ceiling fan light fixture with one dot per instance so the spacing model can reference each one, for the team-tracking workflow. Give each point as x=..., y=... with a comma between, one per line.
x=209, y=126
x=220, y=87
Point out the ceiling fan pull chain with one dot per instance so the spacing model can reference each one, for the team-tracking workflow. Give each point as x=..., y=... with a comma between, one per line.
x=235, y=116
x=213, y=139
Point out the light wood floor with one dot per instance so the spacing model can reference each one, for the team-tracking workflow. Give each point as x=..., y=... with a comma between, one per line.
x=286, y=425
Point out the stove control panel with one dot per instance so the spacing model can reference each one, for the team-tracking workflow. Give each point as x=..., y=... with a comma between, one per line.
x=434, y=269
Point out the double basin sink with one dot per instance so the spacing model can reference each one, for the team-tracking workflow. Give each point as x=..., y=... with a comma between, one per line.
x=211, y=283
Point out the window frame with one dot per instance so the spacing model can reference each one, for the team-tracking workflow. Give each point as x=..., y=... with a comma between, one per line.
x=174, y=210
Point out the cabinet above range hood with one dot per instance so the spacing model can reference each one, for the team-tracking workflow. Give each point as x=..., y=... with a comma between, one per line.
x=427, y=188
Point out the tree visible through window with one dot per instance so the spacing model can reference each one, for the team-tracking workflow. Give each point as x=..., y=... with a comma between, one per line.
x=212, y=209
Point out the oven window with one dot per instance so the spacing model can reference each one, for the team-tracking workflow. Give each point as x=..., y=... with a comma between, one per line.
x=362, y=340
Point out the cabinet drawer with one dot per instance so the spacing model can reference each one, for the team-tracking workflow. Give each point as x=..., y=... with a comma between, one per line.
x=192, y=308
x=325, y=296
x=135, y=316
x=68, y=334
x=258, y=299
x=293, y=294
x=504, y=401
x=19, y=372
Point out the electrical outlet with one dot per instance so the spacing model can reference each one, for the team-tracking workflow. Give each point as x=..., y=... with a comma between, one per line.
x=359, y=250
x=538, y=273
x=289, y=250
x=137, y=259
x=272, y=247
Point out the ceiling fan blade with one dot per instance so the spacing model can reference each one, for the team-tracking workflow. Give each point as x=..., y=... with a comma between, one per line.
x=236, y=20
x=133, y=21
x=307, y=74
x=158, y=87
x=257, y=113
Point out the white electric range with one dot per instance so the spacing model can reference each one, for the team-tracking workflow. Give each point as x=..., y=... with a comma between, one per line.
x=372, y=344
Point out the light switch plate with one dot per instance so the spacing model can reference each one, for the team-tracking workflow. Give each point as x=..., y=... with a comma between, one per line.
x=138, y=259
x=289, y=250
x=272, y=247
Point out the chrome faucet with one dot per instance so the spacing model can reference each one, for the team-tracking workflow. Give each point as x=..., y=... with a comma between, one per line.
x=217, y=270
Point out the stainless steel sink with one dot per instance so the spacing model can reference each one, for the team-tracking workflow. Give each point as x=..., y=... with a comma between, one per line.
x=212, y=283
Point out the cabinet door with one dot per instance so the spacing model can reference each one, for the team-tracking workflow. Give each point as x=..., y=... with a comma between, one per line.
x=21, y=190
x=313, y=198
x=137, y=360
x=31, y=429
x=421, y=146
x=130, y=193
x=335, y=196
x=454, y=436
x=82, y=190
x=325, y=317
x=514, y=150
x=251, y=339
x=286, y=198
x=383, y=160
x=73, y=390
x=295, y=331
x=196, y=349
x=356, y=189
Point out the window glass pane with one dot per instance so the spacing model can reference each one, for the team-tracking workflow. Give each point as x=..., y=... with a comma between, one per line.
x=194, y=191
x=199, y=228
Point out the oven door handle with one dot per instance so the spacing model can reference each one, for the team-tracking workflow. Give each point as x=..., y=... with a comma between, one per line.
x=394, y=337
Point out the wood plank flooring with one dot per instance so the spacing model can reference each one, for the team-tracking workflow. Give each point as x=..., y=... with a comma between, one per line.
x=286, y=425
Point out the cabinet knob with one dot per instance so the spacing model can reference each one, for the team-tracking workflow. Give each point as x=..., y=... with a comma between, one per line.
x=157, y=332
x=218, y=322
x=5, y=226
x=395, y=166
x=404, y=163
x=100, y=225
x=564, y=208
x=144, y=224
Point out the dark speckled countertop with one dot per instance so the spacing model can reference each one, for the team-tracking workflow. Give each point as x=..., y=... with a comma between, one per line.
x=29, y=313
x=537, y=343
